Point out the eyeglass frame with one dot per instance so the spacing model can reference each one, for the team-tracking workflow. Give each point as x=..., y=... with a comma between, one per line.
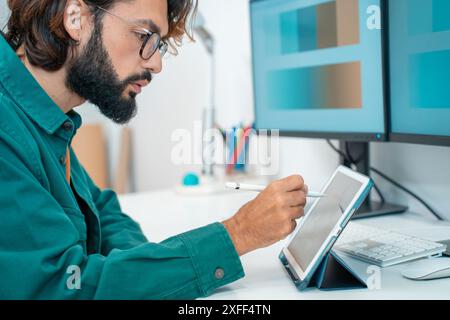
x=162, y=46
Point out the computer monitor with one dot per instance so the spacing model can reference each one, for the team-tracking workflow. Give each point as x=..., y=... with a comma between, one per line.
x=318, y=68
x=419, y=67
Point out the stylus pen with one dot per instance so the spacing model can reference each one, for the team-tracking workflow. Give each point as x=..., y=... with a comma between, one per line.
x=253, y=187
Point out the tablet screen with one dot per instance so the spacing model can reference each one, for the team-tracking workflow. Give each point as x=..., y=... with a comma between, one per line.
x=322, y=220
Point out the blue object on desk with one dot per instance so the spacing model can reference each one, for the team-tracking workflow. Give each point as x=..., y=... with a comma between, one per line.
x=190, y=180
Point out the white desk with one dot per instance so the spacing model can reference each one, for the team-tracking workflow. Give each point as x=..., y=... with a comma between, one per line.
x=164, y=213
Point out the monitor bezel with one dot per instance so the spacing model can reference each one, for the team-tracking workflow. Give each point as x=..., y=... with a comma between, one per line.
x=347, y=136
x=443, y=141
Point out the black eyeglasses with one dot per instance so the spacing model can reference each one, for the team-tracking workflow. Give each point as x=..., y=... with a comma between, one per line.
x=151, y=41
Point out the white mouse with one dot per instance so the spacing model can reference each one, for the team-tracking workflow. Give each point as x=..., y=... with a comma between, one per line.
x=428, y=269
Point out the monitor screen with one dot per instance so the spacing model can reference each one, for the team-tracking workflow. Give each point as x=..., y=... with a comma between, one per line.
x=419, y=37
x=318, y=66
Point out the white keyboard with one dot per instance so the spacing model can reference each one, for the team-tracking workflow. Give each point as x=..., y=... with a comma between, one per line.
x=384, y=248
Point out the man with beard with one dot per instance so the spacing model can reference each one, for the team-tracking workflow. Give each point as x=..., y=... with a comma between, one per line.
x=61, y=237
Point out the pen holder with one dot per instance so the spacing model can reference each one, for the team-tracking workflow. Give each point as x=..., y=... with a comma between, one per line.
x=237, y=148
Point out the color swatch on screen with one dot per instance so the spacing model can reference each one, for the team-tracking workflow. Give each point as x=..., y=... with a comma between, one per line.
x=429, y=79
x=427, y=16
x=335, y=86
x=327, y=25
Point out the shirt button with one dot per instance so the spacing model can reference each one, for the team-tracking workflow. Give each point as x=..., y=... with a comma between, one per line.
x=62, y=160
x=68, y=126
x=219, y=273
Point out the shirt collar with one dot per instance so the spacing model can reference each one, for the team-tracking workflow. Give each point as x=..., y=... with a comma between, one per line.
x=22, y=87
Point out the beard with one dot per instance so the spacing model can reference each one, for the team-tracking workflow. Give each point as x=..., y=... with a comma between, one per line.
x=92, y=76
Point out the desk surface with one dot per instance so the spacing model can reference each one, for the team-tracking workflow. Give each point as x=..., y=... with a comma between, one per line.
x=164, y=213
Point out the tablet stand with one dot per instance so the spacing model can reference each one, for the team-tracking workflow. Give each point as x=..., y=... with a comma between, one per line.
x=333, y=274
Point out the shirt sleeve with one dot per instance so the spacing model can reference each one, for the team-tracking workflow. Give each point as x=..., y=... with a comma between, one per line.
x=40, y=251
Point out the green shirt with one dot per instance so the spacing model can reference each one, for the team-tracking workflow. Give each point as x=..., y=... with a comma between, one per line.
x=50, y=231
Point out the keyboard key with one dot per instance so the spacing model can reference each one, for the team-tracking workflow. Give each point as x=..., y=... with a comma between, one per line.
x=417, y=249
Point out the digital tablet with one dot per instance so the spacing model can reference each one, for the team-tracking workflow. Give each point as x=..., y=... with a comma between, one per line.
x=323, y=223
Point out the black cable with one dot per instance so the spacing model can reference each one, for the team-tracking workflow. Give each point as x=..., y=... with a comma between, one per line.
x=338, y=151
x=348, y=158
x=398, y=185
x=378, y=191
x=348, y=153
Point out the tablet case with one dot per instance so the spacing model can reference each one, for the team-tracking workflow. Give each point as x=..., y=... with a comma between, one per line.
x=331, y=274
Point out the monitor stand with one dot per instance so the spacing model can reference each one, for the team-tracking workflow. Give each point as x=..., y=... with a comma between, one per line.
x=359, y=153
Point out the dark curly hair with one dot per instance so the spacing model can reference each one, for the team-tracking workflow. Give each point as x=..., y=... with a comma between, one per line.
x=39, y=25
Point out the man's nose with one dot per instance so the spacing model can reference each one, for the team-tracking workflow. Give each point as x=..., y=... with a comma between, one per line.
x=154, y=64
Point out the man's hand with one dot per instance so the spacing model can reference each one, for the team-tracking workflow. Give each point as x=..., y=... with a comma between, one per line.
x=270, y=217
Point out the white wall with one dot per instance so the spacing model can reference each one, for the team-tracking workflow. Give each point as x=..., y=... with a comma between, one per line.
x=424, y=169
x=4, y=11
x=174, y=100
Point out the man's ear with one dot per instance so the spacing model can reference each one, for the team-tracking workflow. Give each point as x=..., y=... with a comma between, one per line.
x=74, y=18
